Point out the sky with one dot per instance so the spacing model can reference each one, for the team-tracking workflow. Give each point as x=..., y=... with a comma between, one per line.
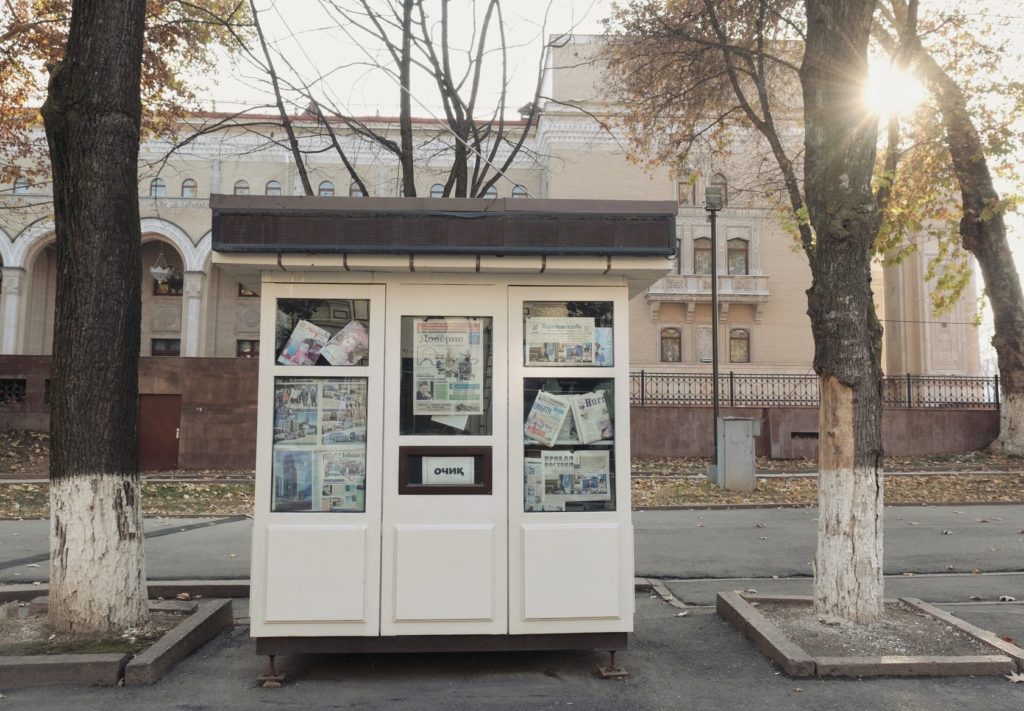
x=337, y=59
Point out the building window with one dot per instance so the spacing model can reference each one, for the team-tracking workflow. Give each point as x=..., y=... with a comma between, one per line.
x=189, y=189
x=247, y=348
x=241, y=187
x=157, y=188
x=687, y=192
x=354, y=190
x=739, y=346
x=490, y=193
x=519, y=192
x=13, y=391
x=172, y=286
x=273, y=188
x=437, y=190
x=702, y=256
x=738, y=256
x=671, y=345
x=718, y=181
x=165, y=347
x=242, y=291
x=326, y=189
x=21, y=185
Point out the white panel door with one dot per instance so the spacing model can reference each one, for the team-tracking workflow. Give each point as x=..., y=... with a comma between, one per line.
x=316, y=535
x=444, y=547
x=570, y=565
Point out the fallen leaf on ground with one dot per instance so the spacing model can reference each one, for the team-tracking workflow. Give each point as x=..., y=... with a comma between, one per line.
x=1015, y=677
x=183, y=596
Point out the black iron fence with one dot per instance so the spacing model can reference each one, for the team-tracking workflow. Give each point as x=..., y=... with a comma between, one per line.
x=764, y=390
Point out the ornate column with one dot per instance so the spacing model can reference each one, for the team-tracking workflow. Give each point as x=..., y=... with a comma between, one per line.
x=192, y=313
x=10, y=307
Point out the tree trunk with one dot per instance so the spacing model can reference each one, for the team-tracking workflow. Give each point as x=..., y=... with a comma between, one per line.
x=840, y=142
x=983, y=233
x=405, y=103
x=92, y=117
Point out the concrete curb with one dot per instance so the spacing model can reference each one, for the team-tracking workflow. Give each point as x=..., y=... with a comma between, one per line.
x=1010, y=650
x=209, y=620
x=773, y=643
x=40, y=670
x=167, y=589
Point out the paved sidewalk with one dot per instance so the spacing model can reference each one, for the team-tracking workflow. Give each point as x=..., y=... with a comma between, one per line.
x=694, y=662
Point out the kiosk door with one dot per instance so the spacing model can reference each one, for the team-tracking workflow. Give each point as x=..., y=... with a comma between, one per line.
x=445, y=505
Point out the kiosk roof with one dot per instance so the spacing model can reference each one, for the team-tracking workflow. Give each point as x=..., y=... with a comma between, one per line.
x=313, y=225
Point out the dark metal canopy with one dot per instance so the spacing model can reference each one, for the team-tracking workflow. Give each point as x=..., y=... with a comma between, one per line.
x=312, y=225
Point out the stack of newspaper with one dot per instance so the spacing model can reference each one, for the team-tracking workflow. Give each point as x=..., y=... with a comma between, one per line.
x=568, y=419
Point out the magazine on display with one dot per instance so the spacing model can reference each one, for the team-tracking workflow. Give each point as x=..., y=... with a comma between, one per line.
x=343, y=479
x=593, y=422
x=293, y=480
x=546, y=418
x=533, y=484
x=348, y=346
x=303, y=346
x=604, y=354
x=344, y=411
x=448, y=364
x=559, y=341
x=574, y=477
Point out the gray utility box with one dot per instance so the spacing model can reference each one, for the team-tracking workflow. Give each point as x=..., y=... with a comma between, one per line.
x=735, y=470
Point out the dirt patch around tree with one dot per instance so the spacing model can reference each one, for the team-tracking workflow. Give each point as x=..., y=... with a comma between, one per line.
x=25, y=630
x=902, y=631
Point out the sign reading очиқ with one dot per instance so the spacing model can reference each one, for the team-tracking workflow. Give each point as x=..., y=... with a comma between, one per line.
x=448, y=471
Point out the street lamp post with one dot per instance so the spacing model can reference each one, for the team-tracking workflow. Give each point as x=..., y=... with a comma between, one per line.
x=713, y=202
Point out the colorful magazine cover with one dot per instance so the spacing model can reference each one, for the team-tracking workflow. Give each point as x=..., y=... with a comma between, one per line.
x=348, y=346
x=303, y=346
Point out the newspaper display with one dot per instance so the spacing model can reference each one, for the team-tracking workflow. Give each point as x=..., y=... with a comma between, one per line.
x=348, y=346
x=590, y=412
x=303, y=346
x=533, y=484
x=319, y=458
x=559, y=341
x=604, y=354
x=574, y=477
x=448, y=366
x=546, y=418
x=344, y=479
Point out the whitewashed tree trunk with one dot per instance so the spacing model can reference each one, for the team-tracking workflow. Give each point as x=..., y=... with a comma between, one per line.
x=1011, y=425
x=848, y=578
x=97, y=573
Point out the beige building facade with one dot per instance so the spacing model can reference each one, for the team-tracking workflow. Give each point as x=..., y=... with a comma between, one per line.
x=569, y=154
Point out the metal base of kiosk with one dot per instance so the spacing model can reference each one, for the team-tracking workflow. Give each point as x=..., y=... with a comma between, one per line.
x=611, y=641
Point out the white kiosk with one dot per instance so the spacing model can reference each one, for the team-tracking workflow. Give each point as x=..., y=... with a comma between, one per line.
x=443, y=432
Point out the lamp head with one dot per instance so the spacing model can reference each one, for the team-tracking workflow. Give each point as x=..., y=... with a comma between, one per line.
x=713, y=198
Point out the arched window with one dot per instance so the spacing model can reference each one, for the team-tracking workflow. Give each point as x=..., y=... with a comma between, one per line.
x=739, y=346
x=687, y=192
x=519, y=191
x=21, y=185
x=718, y=181
x=157, y=188
x=671, y=345
x=326, y=189
x=490, y=193
x=437, y=190
x=702, y=256
x=354, y=190
x=738, y=256
x=241, y=187
x=189, y=189
x=272, y=188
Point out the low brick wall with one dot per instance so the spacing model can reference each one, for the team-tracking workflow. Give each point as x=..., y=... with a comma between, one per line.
x=792, y=432
x=218, y=417
x=218, y=404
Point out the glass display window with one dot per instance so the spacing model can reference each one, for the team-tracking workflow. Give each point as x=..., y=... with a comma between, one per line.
x=319, y=451
x=324, y=332
x=568, y=444
x=447, y=375
x=568, y=333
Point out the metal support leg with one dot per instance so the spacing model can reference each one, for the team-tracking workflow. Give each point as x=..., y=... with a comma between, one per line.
x=271, y=679
x=612, y=671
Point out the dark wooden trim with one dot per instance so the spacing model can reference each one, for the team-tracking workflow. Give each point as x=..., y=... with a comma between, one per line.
x=443, y=643
x=406, y=453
